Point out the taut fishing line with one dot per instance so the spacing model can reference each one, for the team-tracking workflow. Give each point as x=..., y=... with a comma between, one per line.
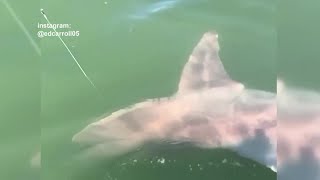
x=65, y=45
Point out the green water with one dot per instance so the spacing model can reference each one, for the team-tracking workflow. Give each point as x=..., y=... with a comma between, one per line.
x=131, y=60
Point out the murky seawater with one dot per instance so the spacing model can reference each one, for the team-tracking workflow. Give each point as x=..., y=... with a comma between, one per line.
x=134, y=50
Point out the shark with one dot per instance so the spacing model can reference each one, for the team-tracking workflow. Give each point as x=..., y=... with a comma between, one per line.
x=209, y=110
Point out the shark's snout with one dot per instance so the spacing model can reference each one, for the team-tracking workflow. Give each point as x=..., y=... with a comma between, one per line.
x=102, y=132
x=107, y=139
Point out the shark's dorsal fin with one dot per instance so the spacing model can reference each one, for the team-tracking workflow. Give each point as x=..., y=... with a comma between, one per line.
x=204, y=68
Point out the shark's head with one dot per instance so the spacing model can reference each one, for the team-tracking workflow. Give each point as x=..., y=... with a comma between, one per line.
x=108, y=138
x=119, y=132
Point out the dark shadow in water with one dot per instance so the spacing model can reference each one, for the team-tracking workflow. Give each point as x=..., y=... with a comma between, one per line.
x=306, y=168
x=172, y=161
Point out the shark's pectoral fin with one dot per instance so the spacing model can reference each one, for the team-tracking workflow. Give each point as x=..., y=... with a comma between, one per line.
x=204, y=68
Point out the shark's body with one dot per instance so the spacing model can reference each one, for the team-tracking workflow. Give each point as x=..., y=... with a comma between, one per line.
x=209, y=109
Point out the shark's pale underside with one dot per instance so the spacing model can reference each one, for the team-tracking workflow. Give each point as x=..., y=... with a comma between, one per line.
x=209, y=109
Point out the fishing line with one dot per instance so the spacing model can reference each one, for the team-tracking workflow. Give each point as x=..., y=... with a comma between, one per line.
x=65, y=45
x=22, y=26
